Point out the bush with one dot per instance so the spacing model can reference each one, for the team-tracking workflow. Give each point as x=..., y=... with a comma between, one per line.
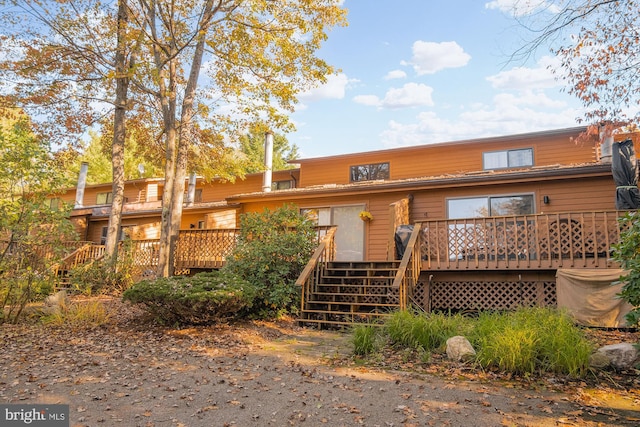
x=531, y=339
x=105, y=276
x=273, y=249
x=80, y=314
x=365, y=339
x=19, y=288
x=627, y=254
x=427, y=331
x=202, y=299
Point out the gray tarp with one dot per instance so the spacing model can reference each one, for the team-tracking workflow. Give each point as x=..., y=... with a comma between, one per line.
x=625, y=174
x=588, y=294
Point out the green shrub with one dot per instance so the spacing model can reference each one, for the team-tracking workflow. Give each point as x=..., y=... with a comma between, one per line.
x=529, y=340
x=627, y=254
x=105, y=276
x=19, y=288
x=364, y=339
x=202, y=299
x=428, y=331
x=273, y=249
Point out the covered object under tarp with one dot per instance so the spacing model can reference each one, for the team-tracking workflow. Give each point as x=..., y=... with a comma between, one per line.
x=625, y=174
x=591, y=297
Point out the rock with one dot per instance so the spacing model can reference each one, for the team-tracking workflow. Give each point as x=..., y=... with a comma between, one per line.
x=459, y=348
x=56, y=303
x=599, y=360
x=621, y=356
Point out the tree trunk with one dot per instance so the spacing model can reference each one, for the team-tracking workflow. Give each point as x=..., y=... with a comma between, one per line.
x=174, y=189
x=119, y=135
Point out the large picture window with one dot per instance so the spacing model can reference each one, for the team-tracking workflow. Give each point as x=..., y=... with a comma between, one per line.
x=490, y=206
x=369, y=172
x=507, y=159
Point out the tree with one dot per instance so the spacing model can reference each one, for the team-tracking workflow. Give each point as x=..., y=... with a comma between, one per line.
x=598, y=44
x=256, y=55
x=60, y=58
x=31, y=231
x=259, y=54
x=252, y=146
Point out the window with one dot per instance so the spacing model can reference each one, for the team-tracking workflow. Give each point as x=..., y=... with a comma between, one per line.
x=200, y=225
x=104, y=198
x=507, y=159
x=490, y=206
x=281, y=185
x=370, y=172
x=125, y=233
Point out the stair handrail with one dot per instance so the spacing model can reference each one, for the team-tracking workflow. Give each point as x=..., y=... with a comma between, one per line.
x=88, y=251
x=327, y=242
x=410, y=263
x=312, y=271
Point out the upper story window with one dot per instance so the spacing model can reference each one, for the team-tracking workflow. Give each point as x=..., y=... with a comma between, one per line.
x=476, y=207
x=104, y=198
x=369, y=172
x=507, y=159
x=281, y=185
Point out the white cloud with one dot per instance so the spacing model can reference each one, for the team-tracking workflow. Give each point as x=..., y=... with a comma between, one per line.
x=395, y=74
x=522, y=7
x=369, y=100
x=508, y=114
x=334, y=88
x=430, y=57
x=409, y=95
x=522, y=78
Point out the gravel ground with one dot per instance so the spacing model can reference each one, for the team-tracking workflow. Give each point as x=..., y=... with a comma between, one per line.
x=132, y=373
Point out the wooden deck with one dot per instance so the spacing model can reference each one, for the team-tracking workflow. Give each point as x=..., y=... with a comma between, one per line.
x=528, y=242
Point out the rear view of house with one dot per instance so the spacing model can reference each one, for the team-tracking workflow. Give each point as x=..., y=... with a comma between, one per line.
x=492, y=221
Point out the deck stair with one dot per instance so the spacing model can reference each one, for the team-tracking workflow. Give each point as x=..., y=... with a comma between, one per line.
x=351, y=292
x=85, y=254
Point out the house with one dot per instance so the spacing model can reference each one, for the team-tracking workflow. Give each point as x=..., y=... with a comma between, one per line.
x=495, y=218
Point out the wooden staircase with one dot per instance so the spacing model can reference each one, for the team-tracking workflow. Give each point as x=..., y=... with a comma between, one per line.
x=87, y=253
x=339, y=293
x=352, y=292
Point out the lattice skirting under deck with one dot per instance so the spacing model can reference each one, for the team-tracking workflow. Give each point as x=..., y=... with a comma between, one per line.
x=484, y=292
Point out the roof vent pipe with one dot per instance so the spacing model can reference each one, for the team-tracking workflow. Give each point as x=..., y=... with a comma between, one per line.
x=191, y=189
x=82, y=183
x=268, y=162
x=606, y=145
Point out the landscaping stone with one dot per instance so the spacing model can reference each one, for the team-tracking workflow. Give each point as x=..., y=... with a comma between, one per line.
x=459, y=348
x=55, y=303
x=620, y=356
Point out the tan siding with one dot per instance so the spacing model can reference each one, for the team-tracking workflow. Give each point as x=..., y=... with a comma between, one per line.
x=443, y=159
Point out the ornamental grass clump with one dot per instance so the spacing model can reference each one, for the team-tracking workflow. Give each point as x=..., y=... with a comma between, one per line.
x=365, y=339
x=427, y=331
x=531, y=340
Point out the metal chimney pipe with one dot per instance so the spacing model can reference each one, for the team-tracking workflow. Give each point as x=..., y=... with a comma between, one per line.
x=268, y=162
x=82, y=183
x=191, y=189
x=606, y=145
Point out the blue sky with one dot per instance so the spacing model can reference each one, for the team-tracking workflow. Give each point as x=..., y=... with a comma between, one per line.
x=426, y=71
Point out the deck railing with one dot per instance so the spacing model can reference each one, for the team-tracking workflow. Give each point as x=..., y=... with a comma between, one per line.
x=324, y=253
x=409, y=269
x=544, y=241
x=204, y=248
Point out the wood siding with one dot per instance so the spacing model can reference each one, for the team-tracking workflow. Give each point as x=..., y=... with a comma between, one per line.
x=448, y=158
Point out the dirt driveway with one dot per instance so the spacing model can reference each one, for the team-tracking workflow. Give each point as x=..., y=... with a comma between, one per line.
x=129, y=373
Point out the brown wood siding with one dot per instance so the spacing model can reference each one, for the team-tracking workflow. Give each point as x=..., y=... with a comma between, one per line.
x=219, y=190
x=443, y=159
